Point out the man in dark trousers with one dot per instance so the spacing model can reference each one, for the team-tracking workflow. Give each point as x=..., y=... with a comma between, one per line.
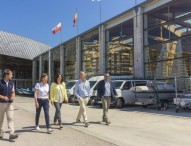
x=7, y=95
x=106, y=92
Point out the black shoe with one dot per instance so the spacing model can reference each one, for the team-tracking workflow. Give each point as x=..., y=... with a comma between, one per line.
x=108, y=122
x=60, y=126
x=103, y=120
x=1, y=134
x=87, y=124
x=12, y=137
x=78, y=121
x=55, y=123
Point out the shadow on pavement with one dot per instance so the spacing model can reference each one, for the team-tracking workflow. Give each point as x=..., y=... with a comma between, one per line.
x=98, y=122
x=31, y=129
x=152, y=110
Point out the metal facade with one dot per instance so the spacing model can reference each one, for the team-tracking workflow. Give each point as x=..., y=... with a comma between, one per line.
x=21, y=47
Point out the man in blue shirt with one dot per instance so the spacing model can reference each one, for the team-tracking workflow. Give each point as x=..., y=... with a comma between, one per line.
x=82, y=92
x=106, y=91
x=7, y=95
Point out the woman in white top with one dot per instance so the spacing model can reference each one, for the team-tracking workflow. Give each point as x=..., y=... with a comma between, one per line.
x=58, y=96
x=41, y=96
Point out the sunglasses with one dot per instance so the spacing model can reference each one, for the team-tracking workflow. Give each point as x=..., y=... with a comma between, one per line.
x=107, y=76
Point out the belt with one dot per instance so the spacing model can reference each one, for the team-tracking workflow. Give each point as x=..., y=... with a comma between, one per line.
x=5, y=101
x=42, y=98
x=107, y=96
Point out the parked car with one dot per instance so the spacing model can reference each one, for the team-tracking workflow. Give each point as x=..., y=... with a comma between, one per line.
x=70, y=90
x=121, y=85
x=159, y=94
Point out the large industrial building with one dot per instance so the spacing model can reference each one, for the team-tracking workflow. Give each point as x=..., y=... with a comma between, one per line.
x=17, y=53
x=150, y=40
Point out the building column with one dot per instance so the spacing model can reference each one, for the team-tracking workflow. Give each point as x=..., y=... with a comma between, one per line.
x=102, y=55
x=33, y=72
x=62, y=59
x=49, y=66
x=40, y=65
x=138, y=71
x=78, y=58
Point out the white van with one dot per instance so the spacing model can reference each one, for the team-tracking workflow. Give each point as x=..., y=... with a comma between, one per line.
x=70, y=90
x=93, y=88
x=93, y=93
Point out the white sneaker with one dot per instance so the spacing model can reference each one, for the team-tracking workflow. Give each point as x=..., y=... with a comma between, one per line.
x=37, y=128
x=49, y=130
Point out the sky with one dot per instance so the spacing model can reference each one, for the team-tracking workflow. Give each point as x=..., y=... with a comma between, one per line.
x=35, y=19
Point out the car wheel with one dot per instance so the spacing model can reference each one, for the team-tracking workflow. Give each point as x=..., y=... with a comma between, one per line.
x=145, y=106
x=165, y=105
x=177, y=110
x=72, y=99
x=119, y=103
x=91, y=102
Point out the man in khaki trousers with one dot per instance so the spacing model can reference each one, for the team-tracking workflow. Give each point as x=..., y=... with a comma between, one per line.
x=82, y=92
x=106, y=91
x=7, y=95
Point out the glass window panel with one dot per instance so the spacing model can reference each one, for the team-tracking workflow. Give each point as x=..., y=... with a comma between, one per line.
x=70, y=60
x=55, y=62
x=174, y=49
x=37, y=69
x=45, y=63
x=120, y=57
x=172, y=30
x=121, y=30
x=163, y=60
x=119, y=49
x=168, y=69
x=90, y=55
x=167, y=12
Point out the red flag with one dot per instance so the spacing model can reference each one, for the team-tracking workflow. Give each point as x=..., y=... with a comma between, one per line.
x=75, y=18
x=57, y=28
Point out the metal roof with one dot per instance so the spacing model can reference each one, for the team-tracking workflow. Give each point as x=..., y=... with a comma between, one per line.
x=21, y=47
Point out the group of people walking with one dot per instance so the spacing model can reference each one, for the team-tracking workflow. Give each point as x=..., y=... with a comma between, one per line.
x=55, y=95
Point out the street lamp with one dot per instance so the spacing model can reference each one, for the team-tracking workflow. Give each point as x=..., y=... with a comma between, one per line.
x=99, y=9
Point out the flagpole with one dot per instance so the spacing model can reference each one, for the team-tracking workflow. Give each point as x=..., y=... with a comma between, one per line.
x=61, y=34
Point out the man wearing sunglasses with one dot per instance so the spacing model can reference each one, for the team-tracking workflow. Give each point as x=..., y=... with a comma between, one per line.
x=106, y=92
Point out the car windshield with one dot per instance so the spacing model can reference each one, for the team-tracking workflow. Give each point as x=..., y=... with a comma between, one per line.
x=69, y=85
x=117, y=84
x=92, y=83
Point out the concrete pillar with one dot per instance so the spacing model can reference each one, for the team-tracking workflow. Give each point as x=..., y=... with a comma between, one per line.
x=40, y=65
x=138, y=44
x=33, y=72
x=49, y=66
x=78, y=58
x=62, y=59
x=52, y=66
x=102, y=55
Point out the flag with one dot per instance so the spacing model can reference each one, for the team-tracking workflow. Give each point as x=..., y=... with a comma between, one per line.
x=57, y=28
x=75, y=18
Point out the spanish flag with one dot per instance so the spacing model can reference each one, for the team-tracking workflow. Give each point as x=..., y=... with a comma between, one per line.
x=75, y=19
